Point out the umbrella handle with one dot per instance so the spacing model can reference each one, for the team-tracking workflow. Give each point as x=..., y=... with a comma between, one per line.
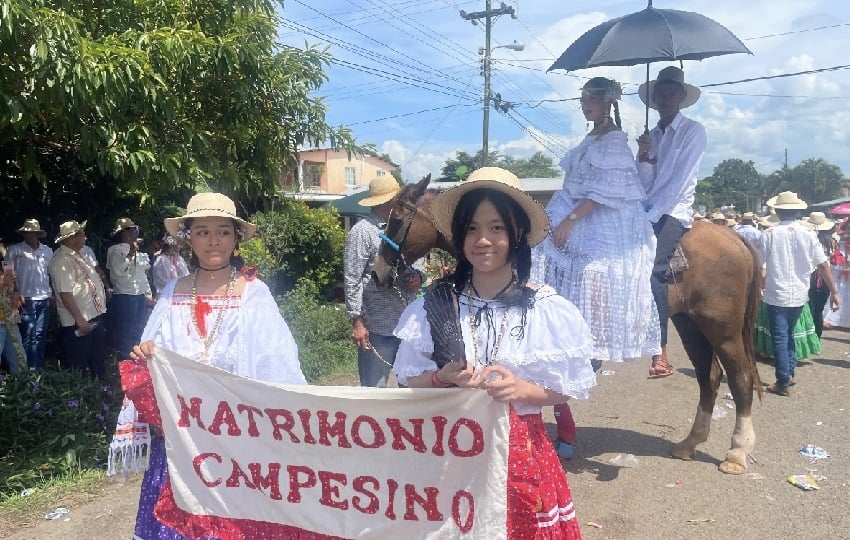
x=646, y=122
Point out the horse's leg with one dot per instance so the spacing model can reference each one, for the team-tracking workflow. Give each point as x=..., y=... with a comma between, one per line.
x=734, y=359
x=708, y=374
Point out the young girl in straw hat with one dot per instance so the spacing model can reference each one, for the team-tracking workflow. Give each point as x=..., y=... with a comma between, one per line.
x=523, y=346
x=219, y=315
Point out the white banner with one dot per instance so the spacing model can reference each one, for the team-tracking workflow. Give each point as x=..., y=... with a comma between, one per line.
x=341, y=461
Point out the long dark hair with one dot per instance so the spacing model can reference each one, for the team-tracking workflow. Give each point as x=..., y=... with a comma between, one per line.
x=517, y=226
x=236, y=260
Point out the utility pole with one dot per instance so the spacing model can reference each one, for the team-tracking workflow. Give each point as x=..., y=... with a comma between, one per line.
x=489, y=16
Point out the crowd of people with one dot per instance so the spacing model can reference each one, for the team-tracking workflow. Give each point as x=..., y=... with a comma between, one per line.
x=538, y=299
x=64, y=292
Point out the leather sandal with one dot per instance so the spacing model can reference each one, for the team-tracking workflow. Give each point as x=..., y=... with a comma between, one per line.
x=660, y=368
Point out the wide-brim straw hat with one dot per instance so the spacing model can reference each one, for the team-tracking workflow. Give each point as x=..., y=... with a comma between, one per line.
x=381, y=190
x=210, y=205
x=69, y=229
x=123, y=223
x=497, y=179
x=749, y=216
x=674, y=74
x=32, y=225
x=817, y=221
x=788, y=200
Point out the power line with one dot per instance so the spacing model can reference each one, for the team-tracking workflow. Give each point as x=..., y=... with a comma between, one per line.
x=797, y=31
x=408, y=114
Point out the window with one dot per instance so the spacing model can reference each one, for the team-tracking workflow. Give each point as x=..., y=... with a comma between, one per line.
x=382, y=173
x=350, y=176
x=313, y=175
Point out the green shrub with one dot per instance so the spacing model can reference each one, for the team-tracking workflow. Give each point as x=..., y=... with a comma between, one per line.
x=303, y=245
x=322, y=331
x=53, y=423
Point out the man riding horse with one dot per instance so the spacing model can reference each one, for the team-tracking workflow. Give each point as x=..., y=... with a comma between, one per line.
x=668, y=161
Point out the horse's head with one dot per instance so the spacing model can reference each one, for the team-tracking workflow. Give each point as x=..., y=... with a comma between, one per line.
x=409, y=235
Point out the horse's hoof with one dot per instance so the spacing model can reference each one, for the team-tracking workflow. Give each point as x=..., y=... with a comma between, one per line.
x=681, y=451
x=730, y=467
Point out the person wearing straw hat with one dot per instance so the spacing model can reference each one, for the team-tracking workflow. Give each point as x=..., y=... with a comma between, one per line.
x=11, y=343
x=823, y=227
x=790, y=253
x=30, y=258
x=525, y=347
x=668, y=161
x=747, y=228
x=221, y=315
x=131, y=291
x=80, y=303
x=373, y=310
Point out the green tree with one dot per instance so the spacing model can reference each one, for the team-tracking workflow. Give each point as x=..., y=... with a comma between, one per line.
x=733, y=182
x=538, y=165
x=813, y=179
x=396, y=171
x=141, y=100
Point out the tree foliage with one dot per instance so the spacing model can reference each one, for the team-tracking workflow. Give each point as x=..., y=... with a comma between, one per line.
x=736, y=182
x=139, y=100
x=537, y=166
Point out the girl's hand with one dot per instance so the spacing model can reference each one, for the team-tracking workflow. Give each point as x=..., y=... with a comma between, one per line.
x=460, y=374
x=142, y=351
x=503, y=385
x=562, y=232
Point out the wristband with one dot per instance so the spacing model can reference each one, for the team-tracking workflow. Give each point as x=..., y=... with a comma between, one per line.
x=436, y=382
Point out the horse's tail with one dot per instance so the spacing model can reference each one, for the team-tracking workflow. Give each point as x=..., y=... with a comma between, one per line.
x=753, y=302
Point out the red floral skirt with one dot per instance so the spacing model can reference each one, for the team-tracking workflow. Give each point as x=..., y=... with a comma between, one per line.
x=540, y=506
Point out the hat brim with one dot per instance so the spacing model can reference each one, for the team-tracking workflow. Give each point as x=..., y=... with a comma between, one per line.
x=41, y=234
x=443, y=208
x=791, y=206
x=375, y=200
x=692, y=94
x=172, y=225
x=119, y=230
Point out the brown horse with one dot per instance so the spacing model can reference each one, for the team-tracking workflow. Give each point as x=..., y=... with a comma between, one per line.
x=713, y=305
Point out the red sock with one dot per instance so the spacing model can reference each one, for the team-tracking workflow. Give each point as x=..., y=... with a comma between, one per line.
x=565, y=422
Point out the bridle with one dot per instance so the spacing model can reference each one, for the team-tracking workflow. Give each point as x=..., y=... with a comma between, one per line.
x=398, y=247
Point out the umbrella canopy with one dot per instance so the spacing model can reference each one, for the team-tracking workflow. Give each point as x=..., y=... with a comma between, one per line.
x=842, y=209
x=650, y=35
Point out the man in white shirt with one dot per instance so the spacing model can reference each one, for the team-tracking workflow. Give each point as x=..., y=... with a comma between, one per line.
x=790, y=253
x=29, y=260
x=128, y=269
x=668, y=160
x=80, y=302
x=747, y=228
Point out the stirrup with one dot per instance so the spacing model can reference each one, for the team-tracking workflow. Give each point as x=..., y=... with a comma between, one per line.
x=564, y=449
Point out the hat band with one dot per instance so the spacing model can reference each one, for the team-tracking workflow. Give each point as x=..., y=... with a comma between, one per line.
x=196, y=210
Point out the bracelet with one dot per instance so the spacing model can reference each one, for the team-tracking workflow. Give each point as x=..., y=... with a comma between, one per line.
x=436, y=382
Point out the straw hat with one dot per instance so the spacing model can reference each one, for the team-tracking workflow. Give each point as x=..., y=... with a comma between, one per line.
x=69, y=229
x=817, y=221
x=123, y=223
x=749, y=216
x=497, y=179
x=718, y=216
x=32, y=225
x=381, y=190
x=769, y=221
x=210, y=205
x=669, y=74
x=788, y=200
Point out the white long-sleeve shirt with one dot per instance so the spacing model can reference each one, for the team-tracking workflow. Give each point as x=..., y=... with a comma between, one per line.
x=670, y=183
x=128, y=275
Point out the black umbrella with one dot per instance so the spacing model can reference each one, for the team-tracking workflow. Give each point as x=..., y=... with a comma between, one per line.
x=650, y=35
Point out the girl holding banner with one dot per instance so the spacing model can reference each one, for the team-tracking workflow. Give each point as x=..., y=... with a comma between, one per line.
x=220, y=315
x=485, y=328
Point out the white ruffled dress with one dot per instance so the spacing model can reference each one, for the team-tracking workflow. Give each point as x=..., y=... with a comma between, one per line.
x=604, y=268
x=553, y=351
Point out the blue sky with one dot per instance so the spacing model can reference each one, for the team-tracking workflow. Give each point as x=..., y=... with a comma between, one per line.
x=398, y=58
